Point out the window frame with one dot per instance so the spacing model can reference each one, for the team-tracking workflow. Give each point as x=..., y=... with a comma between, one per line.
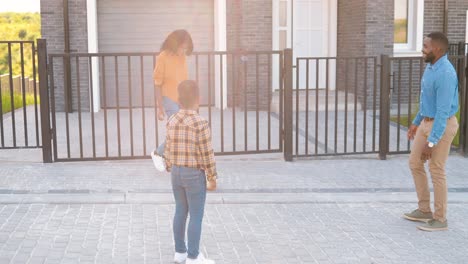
x=415, y=30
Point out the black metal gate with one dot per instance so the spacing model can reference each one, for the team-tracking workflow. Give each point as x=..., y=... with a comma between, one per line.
x=243, y=107
x=19, y=122
x=403, y=89
x=255, y=103
x=336, y=106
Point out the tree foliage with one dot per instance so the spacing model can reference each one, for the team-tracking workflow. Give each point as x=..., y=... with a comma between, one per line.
x=14, y=27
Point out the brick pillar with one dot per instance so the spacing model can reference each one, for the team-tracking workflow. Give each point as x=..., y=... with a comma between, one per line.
x=249, y=29
x=52, y=29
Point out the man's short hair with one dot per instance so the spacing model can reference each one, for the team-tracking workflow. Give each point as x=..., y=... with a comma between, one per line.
x=188, y=93
x=441, y=39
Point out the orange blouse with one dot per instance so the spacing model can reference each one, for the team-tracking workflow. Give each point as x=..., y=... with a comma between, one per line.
x=170, y=70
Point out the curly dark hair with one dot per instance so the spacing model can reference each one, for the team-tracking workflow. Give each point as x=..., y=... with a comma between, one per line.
x=177, y=38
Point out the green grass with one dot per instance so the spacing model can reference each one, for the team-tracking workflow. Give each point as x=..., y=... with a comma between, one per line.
x=401, y=31
x=18, y=101
x=405, y=122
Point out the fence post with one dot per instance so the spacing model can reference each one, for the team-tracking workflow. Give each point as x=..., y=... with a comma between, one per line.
x=384, y=123
x=44, y=106
x=288, y=104
x=464, y=114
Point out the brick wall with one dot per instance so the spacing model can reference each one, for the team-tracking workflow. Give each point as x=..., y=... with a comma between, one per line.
x=53, y=31
x=249, y=27
x=365, y=28
x=434, y=18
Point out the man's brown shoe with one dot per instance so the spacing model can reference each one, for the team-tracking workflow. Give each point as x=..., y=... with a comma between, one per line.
x=419, y=216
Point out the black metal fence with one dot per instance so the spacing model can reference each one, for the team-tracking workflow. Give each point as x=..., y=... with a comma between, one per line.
x=244, y=111
x=460, y=48
x=404, y=81
x=19, y=122
x=336, y=106
x=256, y=102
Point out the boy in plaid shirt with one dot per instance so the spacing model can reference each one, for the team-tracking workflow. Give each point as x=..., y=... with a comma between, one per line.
x=190, y=159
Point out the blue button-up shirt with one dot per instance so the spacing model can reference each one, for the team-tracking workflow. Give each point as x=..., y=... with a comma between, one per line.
x=439, y=96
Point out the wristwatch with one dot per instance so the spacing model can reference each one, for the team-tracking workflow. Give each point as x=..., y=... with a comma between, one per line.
x=430, y=144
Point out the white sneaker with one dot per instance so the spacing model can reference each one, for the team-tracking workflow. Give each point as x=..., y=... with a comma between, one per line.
x=200, y=260
x=180, y=257
x=158, y=161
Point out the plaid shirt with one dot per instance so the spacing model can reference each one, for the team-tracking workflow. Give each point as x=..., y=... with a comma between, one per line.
x=188, y=143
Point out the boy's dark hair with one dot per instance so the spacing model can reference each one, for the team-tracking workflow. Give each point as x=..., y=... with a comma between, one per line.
x=441, y=39
x=177, y=38
x=188, y=93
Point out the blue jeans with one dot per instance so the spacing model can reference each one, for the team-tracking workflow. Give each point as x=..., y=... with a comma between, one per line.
x=171, y=108
x=189, y=188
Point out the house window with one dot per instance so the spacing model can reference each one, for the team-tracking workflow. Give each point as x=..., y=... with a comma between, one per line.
x=401, y=22
x=408, y=26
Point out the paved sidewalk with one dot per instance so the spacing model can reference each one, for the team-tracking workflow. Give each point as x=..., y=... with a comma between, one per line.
x=265, y=211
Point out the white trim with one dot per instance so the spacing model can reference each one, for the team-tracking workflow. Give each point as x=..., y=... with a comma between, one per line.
x=415, y=30
x=220, y=45
x=466, y=31
x=91, y=6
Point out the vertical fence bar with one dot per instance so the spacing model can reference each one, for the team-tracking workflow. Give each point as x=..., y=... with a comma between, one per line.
x=36, y=113
x=410, y=88
x=142, y=80
x=297, y=105
x=23, y=92
x=78, y=85
x=104, y=104
x=327, y=88
x=269, y=91
x=257, y=91
x=399, y=104
x=117, y=99
x=384, y=107
x=346, y=106
x=233, y=95
x=281, y=67
x=317, y=78
x=245, y=106
x=356, y=63
x=288, y=105
x=130, y=107
x=53, y=111
x=374, y=105
x=306, y=145
x=335, y=147
x=91, y=90
x=221, y=80
x=364, y=114
x=464, y=130
x=44, y=94
x=66, y=59
x=12, y=100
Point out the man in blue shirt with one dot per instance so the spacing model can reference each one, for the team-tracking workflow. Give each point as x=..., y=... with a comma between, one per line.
x=433, y=130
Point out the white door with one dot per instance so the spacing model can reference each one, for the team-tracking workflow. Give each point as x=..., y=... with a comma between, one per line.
x=313, y=34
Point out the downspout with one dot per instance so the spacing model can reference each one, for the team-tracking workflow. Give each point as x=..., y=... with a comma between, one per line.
x=67, y=68
x=446, y=4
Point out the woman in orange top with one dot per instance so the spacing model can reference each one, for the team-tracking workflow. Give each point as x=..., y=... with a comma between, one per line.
x=170, y=70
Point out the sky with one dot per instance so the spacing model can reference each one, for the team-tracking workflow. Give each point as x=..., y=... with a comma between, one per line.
x=19, y=5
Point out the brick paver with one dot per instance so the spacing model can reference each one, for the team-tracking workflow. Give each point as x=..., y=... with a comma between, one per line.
x=249, y=233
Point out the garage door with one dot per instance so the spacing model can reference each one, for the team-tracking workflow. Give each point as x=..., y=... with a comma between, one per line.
x=141, y=26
